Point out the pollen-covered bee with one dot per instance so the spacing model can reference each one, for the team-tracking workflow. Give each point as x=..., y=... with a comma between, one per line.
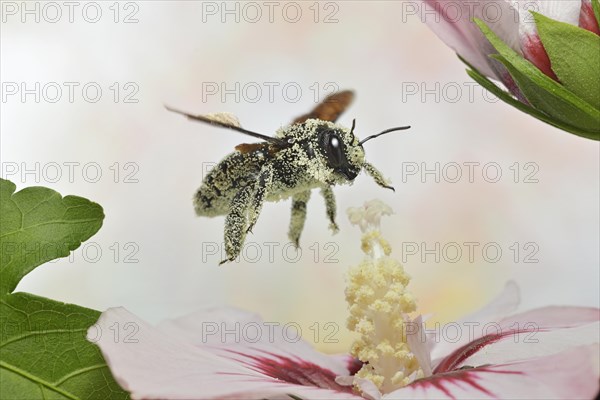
x=312, y=152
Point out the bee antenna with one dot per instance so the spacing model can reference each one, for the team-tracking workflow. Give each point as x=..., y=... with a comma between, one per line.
x=353, y=125
x=400, y=128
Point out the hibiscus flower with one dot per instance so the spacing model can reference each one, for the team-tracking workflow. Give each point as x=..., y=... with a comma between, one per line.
x=226, y=353
x=510, y=20
x=545, y=52
x=186, y=358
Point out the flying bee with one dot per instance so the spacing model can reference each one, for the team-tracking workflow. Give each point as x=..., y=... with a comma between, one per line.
x=312, y=152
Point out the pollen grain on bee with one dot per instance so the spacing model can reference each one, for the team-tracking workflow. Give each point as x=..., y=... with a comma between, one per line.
x=313, y=152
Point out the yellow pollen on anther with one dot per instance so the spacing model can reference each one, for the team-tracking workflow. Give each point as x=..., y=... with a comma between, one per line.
x=380, y=305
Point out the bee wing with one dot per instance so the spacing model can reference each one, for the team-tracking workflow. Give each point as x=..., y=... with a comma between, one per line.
x=330, y=108
x=229, y=121
x=249, y=147
x=223, y=118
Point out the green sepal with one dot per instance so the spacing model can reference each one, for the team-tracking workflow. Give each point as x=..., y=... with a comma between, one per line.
x=596, y=8
x=543, y=93
x=509, y=99
x=563, y=112
x=574, y=56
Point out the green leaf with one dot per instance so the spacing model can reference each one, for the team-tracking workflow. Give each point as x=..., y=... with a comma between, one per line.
x=574, y=56
x=543, y=93
x=44, y=353
x=507, y=98
x=596, y=8
x=38, y=226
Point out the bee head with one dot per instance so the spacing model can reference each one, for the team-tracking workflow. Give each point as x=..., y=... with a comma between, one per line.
x=337, y=154
x=341, y=151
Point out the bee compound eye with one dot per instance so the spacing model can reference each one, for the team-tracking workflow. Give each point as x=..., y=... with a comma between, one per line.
x=334, y=151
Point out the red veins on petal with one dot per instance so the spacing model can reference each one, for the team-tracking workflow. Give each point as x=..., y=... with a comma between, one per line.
x=457, y=357
x=461, y=378
x=293, y=371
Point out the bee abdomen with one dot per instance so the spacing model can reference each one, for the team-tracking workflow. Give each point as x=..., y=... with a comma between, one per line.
x=209, y=201
x=222, y=183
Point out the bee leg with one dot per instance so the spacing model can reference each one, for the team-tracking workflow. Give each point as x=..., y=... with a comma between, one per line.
x=377, y=176
x=330, y=207
x=265, y=177
x=235, y=224
x=298, y=216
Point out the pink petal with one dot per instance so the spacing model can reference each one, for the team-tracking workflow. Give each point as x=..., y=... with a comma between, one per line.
x=368, y=389
x=572, y=374
x=553, y=317
x=452, y=22
x=511, y=85
x=532, y=344
x=501, y=306
x=502, y=18
x=227, y=328
x=454, y=27
x=587, y=19
x=534, y=333
x=154, y=365
x=416, y=338
x=561, y=10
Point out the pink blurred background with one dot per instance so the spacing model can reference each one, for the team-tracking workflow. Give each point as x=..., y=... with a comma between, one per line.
x=151, y=254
